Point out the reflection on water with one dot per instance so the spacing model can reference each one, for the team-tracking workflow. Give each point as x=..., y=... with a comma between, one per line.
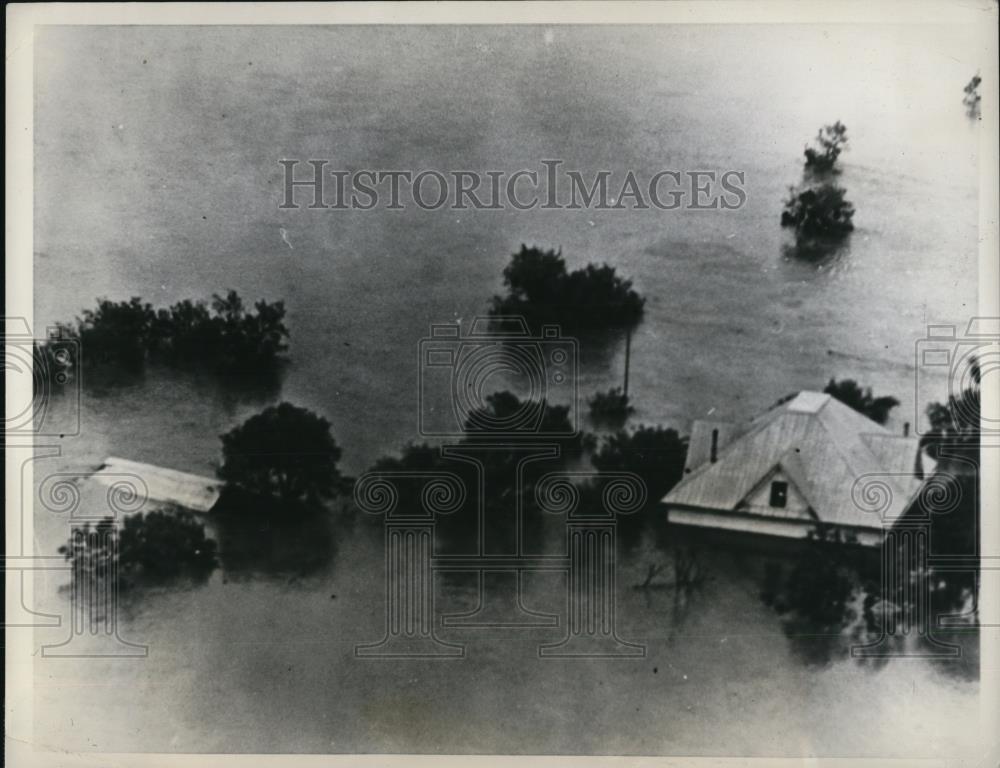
x=256, y=545
x=259, y=645
x=229, y=391
x=822, y=254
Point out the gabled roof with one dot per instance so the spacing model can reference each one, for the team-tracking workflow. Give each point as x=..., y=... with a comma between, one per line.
x=823, y=445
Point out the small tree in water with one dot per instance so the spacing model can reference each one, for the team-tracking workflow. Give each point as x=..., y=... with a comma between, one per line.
x=830, y=142
x=819, y=215
x=972, y=99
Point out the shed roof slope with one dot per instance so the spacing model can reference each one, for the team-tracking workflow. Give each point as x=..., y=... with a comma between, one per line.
x=161, y=484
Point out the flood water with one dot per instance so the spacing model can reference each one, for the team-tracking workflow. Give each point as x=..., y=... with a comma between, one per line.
x=156, y=175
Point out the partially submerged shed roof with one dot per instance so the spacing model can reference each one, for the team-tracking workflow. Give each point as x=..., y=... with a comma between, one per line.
x=171, y=486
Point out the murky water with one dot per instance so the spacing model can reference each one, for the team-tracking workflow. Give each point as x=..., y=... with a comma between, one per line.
x=157, y=175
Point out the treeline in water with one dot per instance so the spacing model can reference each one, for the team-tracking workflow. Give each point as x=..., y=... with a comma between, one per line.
x=222, y=336
x=541, y=290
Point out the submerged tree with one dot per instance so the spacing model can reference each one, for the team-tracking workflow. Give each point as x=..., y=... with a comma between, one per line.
x=656, y=454
x=284, y=454
x=820, y=585
x=850, y=393
x=955, y=426
x=504, y=411
x=540, y=289
x=117, y=333
x=972, y=99
x=149, y=549
x=831, y=140
x=223, y=337
x=487, y=457
x=819, y=215
x=951, y=494
x=610, y=408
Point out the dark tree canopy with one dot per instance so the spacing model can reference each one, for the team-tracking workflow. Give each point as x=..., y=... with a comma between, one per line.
x=950, y=496
x=831, y=140
x=820, y=585
x=117, y=332
x=611, y=408
x=850, y=393
x=152, y=548
x=496, y=468
x=818, y=213
x=955, y=426
x=224, y=337
x=972, y=99
x=953, y=442
x=285, y=453
x=553, y=421
x=656, y=454
x=540, y=289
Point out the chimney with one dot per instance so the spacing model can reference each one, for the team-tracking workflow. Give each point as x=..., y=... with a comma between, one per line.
x=906, y=429
x=715, y=446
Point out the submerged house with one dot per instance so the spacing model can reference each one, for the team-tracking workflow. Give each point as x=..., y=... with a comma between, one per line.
x=791, y=468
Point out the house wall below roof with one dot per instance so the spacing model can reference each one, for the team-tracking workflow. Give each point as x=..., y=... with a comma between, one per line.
x=743, y=523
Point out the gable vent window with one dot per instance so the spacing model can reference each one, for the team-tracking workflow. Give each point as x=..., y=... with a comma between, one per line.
x=779, y=494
